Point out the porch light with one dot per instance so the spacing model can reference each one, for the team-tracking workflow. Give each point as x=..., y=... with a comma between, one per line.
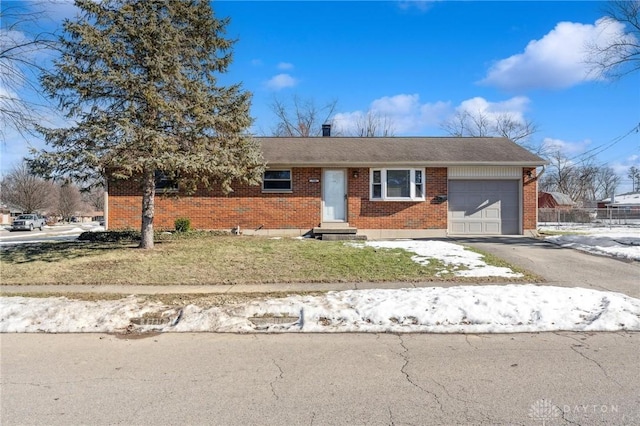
x=355, y=174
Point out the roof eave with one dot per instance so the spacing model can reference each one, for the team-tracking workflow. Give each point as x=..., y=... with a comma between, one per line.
x=405, y=164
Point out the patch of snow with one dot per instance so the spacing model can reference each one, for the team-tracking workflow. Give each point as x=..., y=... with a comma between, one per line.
x=622, y=242
x=461, y=309
x=452, y=255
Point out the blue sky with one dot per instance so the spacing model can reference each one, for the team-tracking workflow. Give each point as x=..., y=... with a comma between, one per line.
x=419, y=62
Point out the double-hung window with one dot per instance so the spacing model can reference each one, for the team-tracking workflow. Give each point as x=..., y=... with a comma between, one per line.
x=277, y=181
x=164, y=183
x=397, y=184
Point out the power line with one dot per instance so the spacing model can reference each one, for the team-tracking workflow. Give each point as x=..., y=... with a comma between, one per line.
x=601, y=148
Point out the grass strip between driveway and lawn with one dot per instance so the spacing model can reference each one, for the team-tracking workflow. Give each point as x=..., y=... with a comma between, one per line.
x=204, y=259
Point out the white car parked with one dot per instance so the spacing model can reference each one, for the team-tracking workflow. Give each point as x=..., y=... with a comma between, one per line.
x=27, y=222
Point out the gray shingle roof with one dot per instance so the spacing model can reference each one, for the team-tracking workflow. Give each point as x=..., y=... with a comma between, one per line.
x=562, y=199
x=388, y=151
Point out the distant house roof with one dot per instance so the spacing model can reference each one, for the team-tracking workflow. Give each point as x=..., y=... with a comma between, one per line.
x=386, y=151
x=628, y=199
x=11, y=208
x=560, y=198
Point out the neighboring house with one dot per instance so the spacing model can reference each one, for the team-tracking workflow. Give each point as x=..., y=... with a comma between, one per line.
x=629, y=201
x=87, y=216
x=8, y=212
x=383, y=187
x=554, y=200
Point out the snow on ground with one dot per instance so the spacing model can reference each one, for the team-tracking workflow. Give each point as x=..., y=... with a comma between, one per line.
x=452, y=255
x=622, y=242
x=49, y=234
x=462, y=309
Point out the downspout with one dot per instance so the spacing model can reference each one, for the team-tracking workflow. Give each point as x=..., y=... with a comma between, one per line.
x=105, y=212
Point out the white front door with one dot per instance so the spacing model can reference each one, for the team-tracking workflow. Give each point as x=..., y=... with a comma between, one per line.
x=334, y=196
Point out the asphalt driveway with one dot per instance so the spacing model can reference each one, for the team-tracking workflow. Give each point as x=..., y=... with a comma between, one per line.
x=562, y=266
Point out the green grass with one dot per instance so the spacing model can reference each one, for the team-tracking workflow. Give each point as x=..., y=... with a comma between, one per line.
x=205, y=259
x=550, y=233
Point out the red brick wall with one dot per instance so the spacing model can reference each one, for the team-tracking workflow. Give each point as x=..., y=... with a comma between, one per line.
x=249, y=208
x=529, y=200
x=367, y=214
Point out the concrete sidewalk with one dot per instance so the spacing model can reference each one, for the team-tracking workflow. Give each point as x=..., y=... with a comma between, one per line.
x=220, y=289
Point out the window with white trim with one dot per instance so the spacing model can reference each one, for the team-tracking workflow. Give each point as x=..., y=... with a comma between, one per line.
x=164, y=183
x=276, y=181
x=397, y=184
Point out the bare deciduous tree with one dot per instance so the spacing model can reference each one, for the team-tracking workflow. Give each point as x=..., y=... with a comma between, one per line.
x=23, y=189
x=301, y=117
x=373, y=124
x=69, y=201
x=582, y=182
x=619, y=55
x=607, y=182
x=94, y=198
x=482, y=124
x=19, y=65
x=634, y=175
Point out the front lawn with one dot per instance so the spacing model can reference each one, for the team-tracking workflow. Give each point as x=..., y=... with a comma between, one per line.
x=205, y=259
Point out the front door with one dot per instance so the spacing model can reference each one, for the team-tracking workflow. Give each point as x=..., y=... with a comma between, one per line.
x=334, y=196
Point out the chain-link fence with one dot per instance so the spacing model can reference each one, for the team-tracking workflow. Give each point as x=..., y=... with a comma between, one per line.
x=605, y=217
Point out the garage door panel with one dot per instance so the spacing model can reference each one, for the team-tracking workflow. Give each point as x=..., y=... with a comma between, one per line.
x=475, y=228
x=491, y=228
x=491, y=213
x=458, y=228
x=491, y=186
x=473, y=215
x=484, y=207
x=475, y=201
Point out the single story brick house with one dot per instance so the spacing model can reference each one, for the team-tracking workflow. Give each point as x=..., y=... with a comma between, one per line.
x=383, y=187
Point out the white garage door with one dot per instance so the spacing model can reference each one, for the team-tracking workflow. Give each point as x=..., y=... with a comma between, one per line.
x=484, y=207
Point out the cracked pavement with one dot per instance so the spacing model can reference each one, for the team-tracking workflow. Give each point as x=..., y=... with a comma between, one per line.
x=339, y=379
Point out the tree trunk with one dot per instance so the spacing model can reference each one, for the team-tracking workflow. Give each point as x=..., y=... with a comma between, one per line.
x=148, y=198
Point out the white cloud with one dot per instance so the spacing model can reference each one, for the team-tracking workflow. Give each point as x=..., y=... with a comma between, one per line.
x=256, y=62
x=558, y=60
x=514, y=108
x=281, y=81
x=420, y=5
x=409, y=116
x=621, y=168
x=567, y=148
x=285, y=66
x=406, y=114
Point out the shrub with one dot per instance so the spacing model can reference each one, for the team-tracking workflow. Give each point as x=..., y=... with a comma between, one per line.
x=110, y=236
x=182, y=224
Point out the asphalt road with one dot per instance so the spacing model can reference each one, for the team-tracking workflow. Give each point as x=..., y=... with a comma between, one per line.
x=63, y=232
x=341, y=379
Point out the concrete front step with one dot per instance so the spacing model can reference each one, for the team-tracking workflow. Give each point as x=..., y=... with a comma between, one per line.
x=337, y=232
x=342, y=237
x=334, y=230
